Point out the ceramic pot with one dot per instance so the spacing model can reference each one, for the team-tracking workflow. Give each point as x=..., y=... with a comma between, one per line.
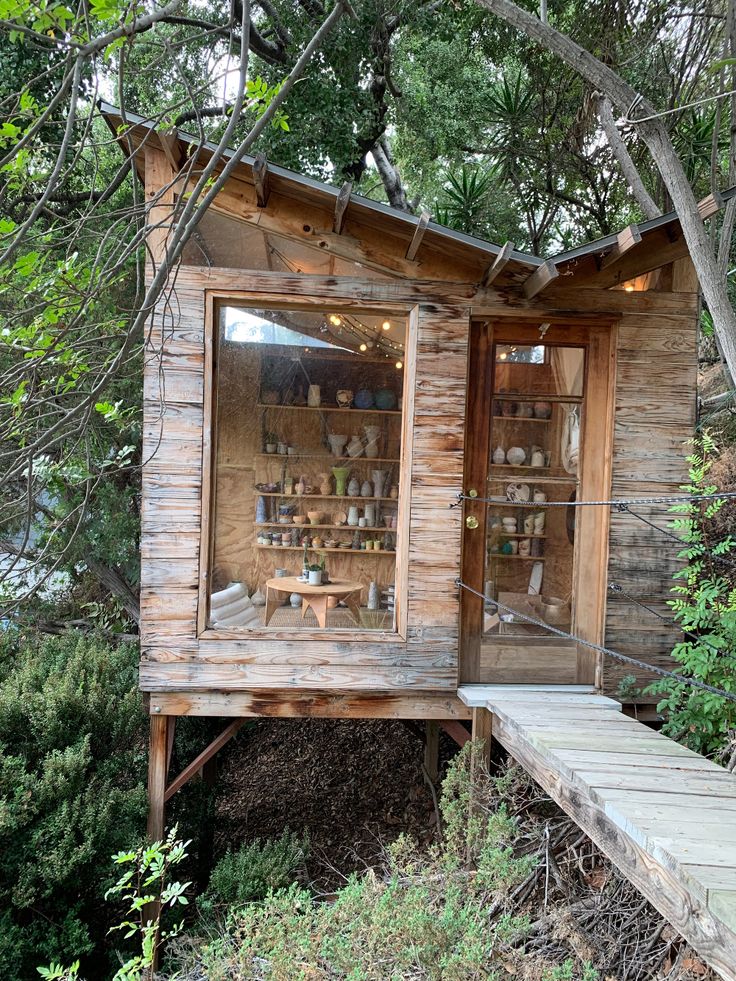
x=526, y=410
x=529, y=524
x=525, y=547
x=372, y=450
x=516, y=456
x=538, y=458
x=370, y=515
x=373, y=596
x=258, y=599
x=314, y=517
x=295, y=600
x=365, y=489
x=385, y=399
x=539, y=497
x=363, y=399
x=372, y=432
x=394, y=493
x=354, y=488
x=518, y=492
x=514, y=547
x=340, y=474
x=353, y=516
x=355, y=447
x=542, y=410
x=539, y=518
x=325, y=485
x=315, y=577
x=300, y=486
x=509, y=525
x=314, y=397
x=261, y=513
x=271, y=447
x=379, y=482
x=337, y=443
x=344, y=398
x=499, y=456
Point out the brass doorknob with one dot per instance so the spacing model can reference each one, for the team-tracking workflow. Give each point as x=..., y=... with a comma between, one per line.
x=471, y=522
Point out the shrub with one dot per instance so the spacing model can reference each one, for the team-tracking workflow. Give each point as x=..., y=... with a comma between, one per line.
x=72, y=791
x=255, y=870
x=705, y=607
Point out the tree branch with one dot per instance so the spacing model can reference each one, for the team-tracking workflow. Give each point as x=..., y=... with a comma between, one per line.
x=622, y=155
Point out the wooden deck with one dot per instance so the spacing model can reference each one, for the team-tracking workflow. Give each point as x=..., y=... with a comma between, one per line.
x=665, y=816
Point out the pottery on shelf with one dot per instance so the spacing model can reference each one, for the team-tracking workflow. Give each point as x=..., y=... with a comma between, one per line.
x=539, y=497
x=370, y=515
x=529, y=524
x=542, y=410
x=314, y=397
x=385, y=399
x=261, y=513
x=282, y=448
x=258, y=599
x=374, y=596
x=526, y=410
x=315, y=577
x=379, y=482
x=519, y=493
x=355, y=446
x=341, y=475
x=354, y=488
x=271, y=447
x=365, y=489
x=372, y=450
x=394, y=493
x=337, y=443
x=325, y=484
x=538, y=459
x=300, y=486
x=516, y=456
x=314, y=517
x=353, y=516
x=499, y=456
x=373, y=436
x=344, y=398
x=363, y=399
x=539, y=523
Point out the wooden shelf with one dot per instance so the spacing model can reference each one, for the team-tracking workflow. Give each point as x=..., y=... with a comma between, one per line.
x=322, y=548
x=321, y=497
x=328, y=456
x=346, y=527
x=522, y=419
x=522, y=558
x=528, y=505
x=539, y=475
x=331, y=409
x=513, y=534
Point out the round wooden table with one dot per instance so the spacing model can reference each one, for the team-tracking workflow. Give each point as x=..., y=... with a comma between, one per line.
x=314, y=597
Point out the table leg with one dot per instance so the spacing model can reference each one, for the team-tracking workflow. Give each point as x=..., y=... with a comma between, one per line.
x=305, y=606
x=319, y=605
x=274, y=598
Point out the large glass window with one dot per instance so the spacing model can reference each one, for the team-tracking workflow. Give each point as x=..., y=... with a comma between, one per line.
x=534, y=459
x=306, y=526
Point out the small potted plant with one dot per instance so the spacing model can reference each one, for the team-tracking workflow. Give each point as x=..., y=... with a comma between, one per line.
x=314, y=572
x=272, y=441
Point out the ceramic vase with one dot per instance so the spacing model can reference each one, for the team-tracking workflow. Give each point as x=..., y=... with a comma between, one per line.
x=314, y=397
x=372, y=449
x=295, y=600
x=499, y=456
x=341, y=475
x=344, y=398
x=363, y=399
x=385, y=399
x=315, y=577
x=539, y=523
x=365, y=489
x=258, y=599
x=261, y=515
x=325, y=484
x=353, y=516
x=337, y=444
x=370, y=515
x=379, y=480
x=516, y=456
x=373, y=596
x=355, y=447
x=354, y=488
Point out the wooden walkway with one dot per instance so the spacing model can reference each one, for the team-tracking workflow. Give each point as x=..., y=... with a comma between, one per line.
x=665, y=816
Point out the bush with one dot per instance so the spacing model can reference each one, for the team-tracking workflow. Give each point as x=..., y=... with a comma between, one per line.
x=72, y=792
x=254, y=870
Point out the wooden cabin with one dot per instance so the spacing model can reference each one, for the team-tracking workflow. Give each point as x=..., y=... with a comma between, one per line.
x=325, y=376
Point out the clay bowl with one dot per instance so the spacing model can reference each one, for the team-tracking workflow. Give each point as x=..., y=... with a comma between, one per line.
x=299, y=519
x=314, y=517
x=554, y=609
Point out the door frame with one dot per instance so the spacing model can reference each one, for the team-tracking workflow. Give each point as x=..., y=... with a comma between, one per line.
x=596, y=465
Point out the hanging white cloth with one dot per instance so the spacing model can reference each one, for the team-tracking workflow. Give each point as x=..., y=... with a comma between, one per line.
x=570, y=448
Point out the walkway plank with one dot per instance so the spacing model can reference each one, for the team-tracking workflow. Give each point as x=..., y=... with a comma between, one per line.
x=663, y=814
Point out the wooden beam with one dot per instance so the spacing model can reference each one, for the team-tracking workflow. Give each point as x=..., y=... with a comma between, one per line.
x=456, y=731
x=260, y=180
x=341, y=207
x=312, y=704
x=498, y=265
x=432, y=750
x=625, y=240
x=157, y=759
x=710, y=205
x=411, y=252
x=539, y=280
x=198, y=762
x=170, y=145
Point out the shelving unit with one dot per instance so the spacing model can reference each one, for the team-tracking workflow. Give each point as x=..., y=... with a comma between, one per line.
x=330, y=408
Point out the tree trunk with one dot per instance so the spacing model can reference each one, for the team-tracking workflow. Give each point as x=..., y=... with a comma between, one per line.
x=627, y=165
x=390, y=176
x=657, y=140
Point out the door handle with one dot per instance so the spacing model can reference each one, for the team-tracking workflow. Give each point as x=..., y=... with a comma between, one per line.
x=471, y=522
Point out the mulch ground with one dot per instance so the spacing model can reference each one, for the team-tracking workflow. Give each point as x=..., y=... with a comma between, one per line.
x=353, y=786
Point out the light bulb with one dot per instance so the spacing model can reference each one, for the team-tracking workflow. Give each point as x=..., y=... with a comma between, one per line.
x=629, y=288
x=386, y=325
x=363, y=347
x=335, y=320
x=399, y=365
x=502, y=356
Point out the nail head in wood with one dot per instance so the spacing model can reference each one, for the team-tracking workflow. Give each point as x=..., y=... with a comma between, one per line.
x=419, y=231
x=539, y=280
x=498, y=265
x=341, y=207
x=261, y=181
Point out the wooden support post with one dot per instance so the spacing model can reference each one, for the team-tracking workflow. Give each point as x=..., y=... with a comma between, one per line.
x=432, y=750
x=199, y=761
x=498, y=265
x=157, y=768
x=482, y=733
x=341, y=207
x=260, y=180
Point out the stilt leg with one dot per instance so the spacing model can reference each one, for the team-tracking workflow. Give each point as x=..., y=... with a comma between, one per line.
x=432, y=750
x=482, y=732
x=157, y=773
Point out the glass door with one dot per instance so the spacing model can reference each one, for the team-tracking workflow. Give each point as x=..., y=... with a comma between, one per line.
x=523, y=538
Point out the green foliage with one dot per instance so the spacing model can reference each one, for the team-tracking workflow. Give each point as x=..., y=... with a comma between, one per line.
x=72, y=790
x=705, y=607
x=255, y=870
x=567, y=972
x=425, y=917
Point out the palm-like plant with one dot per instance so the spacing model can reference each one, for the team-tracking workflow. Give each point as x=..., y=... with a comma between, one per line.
x=463, y=201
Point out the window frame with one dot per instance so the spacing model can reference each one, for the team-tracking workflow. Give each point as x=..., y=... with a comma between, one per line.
x=276, y=300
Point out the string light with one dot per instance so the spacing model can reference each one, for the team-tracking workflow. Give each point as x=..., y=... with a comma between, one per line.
x=399, y=365
x=363, y=347
x=335, y=320
x=629, y=288
x=386, y=325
